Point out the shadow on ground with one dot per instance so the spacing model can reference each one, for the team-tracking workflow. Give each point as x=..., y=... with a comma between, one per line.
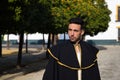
x=30, y=63
x=101, y=47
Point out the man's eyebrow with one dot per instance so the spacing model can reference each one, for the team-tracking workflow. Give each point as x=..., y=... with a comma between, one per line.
x=73, y=29
x=76, y=30
x=69, y=29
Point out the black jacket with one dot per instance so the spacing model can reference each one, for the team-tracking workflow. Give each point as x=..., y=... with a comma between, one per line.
x=63, y=63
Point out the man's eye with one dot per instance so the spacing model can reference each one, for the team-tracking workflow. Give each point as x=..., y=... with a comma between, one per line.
x=69, y=29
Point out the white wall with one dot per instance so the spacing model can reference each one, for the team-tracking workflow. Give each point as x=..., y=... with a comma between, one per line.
x=35, y=36
x=112, y=31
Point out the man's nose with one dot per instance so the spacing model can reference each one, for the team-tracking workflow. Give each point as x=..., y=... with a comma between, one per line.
x=72, y=32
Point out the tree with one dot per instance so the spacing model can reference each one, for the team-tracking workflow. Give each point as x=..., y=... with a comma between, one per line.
x=20, y=24
x=40, y=19
x=31, y=16
x=6, y=19
x=94, y=12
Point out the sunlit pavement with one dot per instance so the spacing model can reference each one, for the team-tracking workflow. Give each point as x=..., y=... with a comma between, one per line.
x=108, y=60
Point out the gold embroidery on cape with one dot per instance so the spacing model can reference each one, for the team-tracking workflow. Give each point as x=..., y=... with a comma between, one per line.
x=67, y=66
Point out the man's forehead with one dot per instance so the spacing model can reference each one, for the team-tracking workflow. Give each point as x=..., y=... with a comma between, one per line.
x=73, y=25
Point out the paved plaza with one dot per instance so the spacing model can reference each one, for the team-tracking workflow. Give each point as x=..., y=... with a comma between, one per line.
x=108, y=60
x=109, y=63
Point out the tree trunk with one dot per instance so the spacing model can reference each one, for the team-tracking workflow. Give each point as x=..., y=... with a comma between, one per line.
x=21, y=36
x=64, y=36
x=8, y=42
x=43, y=44
x=0, y=45
x=48, y=44
x=26, y=43
x=54, y=39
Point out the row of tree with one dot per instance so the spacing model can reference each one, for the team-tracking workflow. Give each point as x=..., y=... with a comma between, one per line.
x=50, y=16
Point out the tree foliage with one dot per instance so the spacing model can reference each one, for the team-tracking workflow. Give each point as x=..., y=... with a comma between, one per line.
x=94, y=12
x=51, y=16
x=37, y=16
x=6, y=17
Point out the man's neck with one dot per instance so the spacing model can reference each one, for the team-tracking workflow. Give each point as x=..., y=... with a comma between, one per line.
x=76, y=43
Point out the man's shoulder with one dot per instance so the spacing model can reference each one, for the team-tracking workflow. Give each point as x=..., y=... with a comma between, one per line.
x=86, y=47
x=61, y=45
x=86, y=44
x=56, y=49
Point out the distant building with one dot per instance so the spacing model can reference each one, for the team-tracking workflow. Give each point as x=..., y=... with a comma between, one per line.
x=35, y=38
x=112, y=34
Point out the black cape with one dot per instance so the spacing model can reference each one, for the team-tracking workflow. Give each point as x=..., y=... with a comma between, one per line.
x=63, y=63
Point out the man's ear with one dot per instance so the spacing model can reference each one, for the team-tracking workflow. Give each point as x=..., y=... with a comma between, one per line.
x=82, y=33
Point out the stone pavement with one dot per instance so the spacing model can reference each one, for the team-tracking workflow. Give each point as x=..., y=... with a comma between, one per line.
x=108, y=60
x=31, y=63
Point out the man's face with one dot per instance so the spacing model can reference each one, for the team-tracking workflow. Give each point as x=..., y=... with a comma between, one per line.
x=75, y=32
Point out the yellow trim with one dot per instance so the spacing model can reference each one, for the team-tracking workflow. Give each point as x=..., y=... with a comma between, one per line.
x=52, y=55
x=80, y=53
x=80, y=62
x=67, y=66
x=97, y=54
x=118, y=27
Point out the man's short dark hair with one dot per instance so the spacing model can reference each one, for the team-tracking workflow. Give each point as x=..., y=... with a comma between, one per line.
x=77, y=20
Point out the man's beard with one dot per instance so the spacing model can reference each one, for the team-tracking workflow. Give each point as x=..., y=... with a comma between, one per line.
x=75, y=41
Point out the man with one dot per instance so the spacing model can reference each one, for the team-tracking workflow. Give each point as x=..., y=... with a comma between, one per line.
x=74, y=59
